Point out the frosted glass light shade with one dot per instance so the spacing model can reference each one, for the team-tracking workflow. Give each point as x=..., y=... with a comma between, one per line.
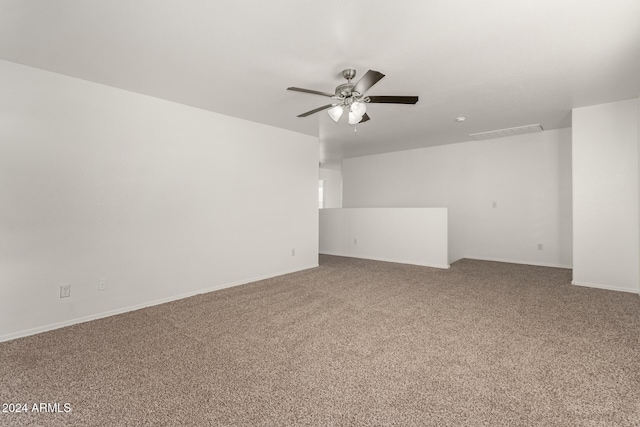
x=353, y=119
x=358, y=108
x=336, y=112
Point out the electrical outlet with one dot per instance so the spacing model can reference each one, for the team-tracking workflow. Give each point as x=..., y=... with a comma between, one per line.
x=495, y=204
x=65, y=291
x=540, y=247
x=355, y=241
x=102, y=284
x=293, y=252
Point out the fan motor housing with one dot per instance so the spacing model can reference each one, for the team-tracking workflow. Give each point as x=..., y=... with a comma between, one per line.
x=345, y=90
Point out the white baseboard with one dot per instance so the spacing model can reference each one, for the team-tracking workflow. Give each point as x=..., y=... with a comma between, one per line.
x=607, y=287
x=511, y=261
x=398, y=261
x=74, y=321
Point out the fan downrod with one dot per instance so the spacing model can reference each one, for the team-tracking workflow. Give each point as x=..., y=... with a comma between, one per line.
x=345, y=90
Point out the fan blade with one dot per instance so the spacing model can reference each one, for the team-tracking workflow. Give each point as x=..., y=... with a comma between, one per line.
x=368, y=80
x=308, y=113
x=365, y=118
x=393, y=99
x=314, y=92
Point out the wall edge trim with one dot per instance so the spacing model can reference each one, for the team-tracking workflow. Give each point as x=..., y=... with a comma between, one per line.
x=397, y=261
x=511, y=261
x=76, y=320
x=605, y=287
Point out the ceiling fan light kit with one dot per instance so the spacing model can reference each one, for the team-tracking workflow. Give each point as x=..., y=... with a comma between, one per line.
x=336, y=112
x=351, y=96
x=358, y=108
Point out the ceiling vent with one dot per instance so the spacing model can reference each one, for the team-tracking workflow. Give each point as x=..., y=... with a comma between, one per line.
x=507, y=132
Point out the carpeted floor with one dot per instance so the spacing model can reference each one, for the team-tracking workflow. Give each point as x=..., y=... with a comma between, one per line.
x=353, y=342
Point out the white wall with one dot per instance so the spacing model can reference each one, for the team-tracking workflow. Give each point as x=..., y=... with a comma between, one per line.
x=605, y=201
x=332, y=178
x=528, y=176
x=406, y=235
x=162, y=199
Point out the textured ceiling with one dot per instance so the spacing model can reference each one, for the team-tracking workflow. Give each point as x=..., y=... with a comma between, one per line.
x=501, y=63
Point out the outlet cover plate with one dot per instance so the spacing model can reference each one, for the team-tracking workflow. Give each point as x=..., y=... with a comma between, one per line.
x=65, y=291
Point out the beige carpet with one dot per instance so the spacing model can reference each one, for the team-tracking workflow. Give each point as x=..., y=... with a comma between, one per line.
x=353, y=342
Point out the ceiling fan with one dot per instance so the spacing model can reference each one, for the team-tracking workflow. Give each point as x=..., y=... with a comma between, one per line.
x=351, y=96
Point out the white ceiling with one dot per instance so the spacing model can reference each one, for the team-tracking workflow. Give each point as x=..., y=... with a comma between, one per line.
x=501, y=63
